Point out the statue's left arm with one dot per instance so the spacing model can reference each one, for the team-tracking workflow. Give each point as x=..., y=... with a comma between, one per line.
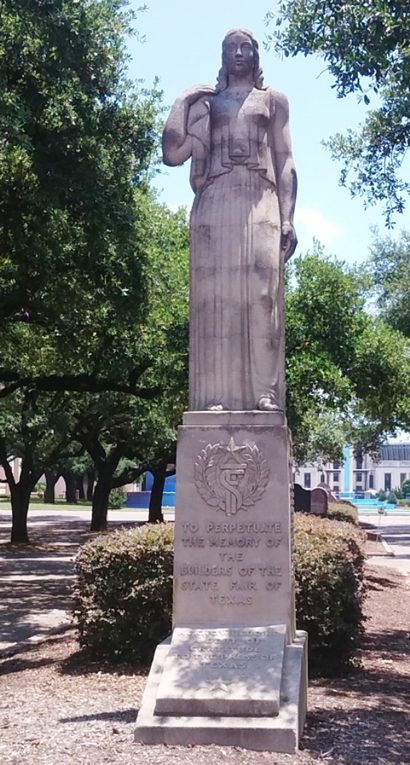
x=285, y=174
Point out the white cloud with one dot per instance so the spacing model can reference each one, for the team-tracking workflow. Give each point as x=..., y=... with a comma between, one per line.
x=311, y=222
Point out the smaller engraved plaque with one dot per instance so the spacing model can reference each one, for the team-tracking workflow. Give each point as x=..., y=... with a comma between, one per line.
x=225, y=671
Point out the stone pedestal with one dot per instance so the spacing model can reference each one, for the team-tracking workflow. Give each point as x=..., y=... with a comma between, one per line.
x=234, y=671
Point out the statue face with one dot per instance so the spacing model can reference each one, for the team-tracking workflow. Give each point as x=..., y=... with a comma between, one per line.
x=238, y=54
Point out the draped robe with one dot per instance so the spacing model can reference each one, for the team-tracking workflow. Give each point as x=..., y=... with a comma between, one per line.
x=236, y=266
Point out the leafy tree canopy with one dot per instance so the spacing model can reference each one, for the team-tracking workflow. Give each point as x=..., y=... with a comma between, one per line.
x=389, y=267
x=76, y=145
x=348, y=372
x=365, y=44
x=47, y=428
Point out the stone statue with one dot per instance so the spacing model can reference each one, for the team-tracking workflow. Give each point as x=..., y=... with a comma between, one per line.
x=244, y=179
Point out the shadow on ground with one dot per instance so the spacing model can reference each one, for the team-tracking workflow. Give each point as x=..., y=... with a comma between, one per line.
x=360, y=736
x=36, y=580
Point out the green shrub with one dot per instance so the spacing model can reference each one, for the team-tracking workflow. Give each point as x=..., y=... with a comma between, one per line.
x=329, y=559
x=117, y=498
x=342, y=511
x=123, y=598
x=391, y=498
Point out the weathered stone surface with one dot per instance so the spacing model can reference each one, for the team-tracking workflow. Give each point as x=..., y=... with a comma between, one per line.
x=319, y=502
x=234, y=671
x=242, y=172
x=280, y=733
x=232, y=523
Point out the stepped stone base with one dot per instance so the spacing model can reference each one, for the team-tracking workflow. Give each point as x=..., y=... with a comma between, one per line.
x=217, y=709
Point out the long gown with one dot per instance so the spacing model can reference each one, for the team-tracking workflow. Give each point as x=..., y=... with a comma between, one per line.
x=236, y=319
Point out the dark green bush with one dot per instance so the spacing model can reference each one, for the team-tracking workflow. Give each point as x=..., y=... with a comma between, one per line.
x=123, y=600
x=329, y=559
x=117, y=498
x=342, y=511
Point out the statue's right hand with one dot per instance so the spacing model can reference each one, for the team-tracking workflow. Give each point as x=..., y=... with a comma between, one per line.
x=190, y=95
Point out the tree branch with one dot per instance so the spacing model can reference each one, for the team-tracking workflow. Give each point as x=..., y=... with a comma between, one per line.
x=73, y=383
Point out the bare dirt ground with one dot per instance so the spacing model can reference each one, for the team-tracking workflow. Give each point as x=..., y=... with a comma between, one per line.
x=57, y=707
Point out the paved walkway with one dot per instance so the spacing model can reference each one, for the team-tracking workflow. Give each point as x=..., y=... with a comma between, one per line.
x=36, y=582
x=394, y=531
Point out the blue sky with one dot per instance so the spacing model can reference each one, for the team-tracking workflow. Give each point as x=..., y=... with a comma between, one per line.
x=182, y=47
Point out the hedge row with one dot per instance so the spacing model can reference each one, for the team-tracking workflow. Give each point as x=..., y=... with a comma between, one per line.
x=329, y=558
x=123, y=598
x=342, y=511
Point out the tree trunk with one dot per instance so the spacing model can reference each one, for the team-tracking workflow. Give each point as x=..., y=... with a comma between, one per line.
x=79, y=484
x=70, y=486
x=51, y=480
x=20, y=500
x=100, y=499
x=90, y=484
x=106, y=469
x=155, y=502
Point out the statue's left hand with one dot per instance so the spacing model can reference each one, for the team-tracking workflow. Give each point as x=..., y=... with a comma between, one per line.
x=288, y=240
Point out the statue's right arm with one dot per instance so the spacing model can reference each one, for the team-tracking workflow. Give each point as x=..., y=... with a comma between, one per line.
x=176, y=143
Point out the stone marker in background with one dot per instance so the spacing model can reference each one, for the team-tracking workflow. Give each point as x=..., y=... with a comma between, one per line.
x=301, y=499
x=319, y=502
x=315, y=501
x=234, y=670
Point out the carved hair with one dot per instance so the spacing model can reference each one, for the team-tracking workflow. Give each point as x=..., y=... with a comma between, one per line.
x=222, y=81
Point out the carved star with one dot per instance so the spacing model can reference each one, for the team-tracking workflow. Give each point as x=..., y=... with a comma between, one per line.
x=234, y=449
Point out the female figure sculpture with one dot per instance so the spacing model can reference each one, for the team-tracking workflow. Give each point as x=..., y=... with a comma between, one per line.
x=243, y=176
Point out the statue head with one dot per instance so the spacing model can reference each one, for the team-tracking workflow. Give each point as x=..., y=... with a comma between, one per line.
x=223, y=76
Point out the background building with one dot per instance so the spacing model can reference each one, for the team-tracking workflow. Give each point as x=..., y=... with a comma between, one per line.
x=360, y=475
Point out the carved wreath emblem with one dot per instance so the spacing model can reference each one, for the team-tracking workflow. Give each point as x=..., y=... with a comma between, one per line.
x=231, y=477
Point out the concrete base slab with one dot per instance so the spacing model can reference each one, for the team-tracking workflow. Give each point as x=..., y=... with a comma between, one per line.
x=280, y=733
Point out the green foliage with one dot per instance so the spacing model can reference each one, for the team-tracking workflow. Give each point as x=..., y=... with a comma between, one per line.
x=83, y=243
x=76, y=147
x=342, y=511
x=116, y=499
x=36, y=427
x=348, y=373
x=381, y=495
x=405, y=487
x=127, y=434
x=365, y=44
x=392, y=498
x=329, y=590
x=389, y=267
x=123, y=599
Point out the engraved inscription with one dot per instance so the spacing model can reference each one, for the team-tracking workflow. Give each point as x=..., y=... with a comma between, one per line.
x=227, y=653
x=231, y=478
x=239, y=566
